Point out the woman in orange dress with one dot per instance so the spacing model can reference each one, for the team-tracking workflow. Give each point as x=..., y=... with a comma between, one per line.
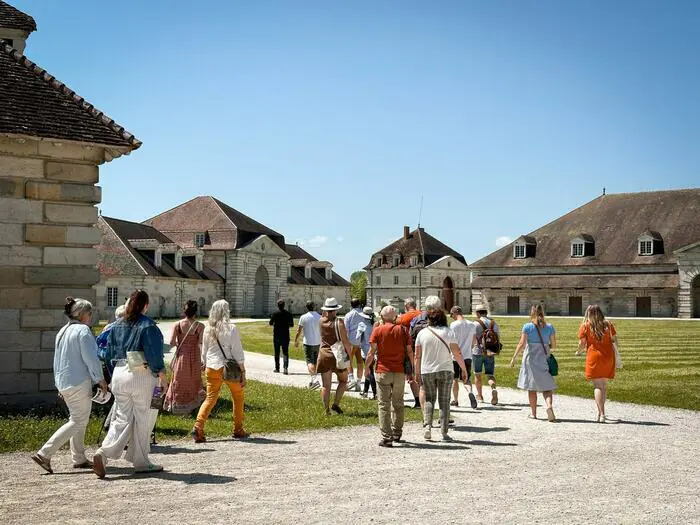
x=596, y=339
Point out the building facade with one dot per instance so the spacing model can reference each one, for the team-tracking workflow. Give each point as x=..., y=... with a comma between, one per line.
x=634, y=254
x=52, y=143
x=417, y=265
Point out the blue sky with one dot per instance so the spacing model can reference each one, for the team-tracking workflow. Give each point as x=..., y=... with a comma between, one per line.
x=328, y=121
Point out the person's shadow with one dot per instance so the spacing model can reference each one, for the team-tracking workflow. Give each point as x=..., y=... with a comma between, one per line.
x=188, y=478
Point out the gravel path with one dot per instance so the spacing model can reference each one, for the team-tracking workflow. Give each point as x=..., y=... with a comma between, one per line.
x=501, y=468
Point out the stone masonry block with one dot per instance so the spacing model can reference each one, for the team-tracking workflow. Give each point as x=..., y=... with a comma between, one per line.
x=71, y=172
x=81, y=193
x=23, y=168
x=9, y=320
x=21, y=297
x=46, y=382
x=20, y=256
x=11, y=234
x=37, y=361
x=19, y=211
x=56, y=297
x=83, y=235
x=42, y=191
x=10, y=362
x=42, y=318
x=70, y=256
x=70, y=213
x=18, y=341
x=45, y=234
x=26, y=383
x=13, y=276
x=48, y=339
x=54, y=191
x=12, y=187
x=62, y=276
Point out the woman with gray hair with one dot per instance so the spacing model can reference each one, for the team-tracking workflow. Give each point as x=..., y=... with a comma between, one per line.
x=76, y=368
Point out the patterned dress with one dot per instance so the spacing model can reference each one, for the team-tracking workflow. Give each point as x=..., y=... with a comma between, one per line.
x=185, y=392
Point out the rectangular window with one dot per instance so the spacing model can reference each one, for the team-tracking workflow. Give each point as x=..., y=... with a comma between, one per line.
x=414, y=279
x=199, y=239
x=112, y=297
x=396, y=279
x=397, y=259
x=278, y=272
x=378, y=280
x=577, y=249
x=519, y=251
x=646, y=248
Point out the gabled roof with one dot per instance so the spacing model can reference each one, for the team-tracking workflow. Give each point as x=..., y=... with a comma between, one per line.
x=228, y=228
x=34, y=103
x=318, y=277
x=418, y=242
x=615, y=222
x=126, y=230
x=13, y=18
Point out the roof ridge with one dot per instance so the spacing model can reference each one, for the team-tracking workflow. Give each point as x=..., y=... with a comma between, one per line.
x=221, y=203
x=71, y=95
x=218, y=204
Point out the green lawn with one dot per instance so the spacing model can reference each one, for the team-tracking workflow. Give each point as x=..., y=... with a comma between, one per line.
x=661, y=359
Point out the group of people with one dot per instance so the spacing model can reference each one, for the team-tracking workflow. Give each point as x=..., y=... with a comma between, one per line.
x=417, y=347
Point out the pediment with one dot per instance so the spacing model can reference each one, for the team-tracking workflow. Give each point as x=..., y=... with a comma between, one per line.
x=263, y=245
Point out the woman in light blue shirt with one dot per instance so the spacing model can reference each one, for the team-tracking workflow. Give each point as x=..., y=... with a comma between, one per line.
x=75, y=367
x=539, y=338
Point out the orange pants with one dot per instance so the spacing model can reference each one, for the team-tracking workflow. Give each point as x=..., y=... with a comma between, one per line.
x=215, y=378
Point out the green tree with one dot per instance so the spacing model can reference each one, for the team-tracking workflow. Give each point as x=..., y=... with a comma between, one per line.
x=358, y=285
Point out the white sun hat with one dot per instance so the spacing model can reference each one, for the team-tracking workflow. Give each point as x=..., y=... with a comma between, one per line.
x=331, y=304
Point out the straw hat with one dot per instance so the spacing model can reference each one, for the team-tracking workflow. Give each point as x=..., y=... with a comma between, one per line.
x=330, y=305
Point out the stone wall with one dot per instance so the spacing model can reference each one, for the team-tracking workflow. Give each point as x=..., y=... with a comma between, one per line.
x=47, y=238
x=297, y=295
x=689, y=287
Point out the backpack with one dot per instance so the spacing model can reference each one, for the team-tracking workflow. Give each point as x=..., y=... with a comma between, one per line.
x=489, y=338
x=416, y=327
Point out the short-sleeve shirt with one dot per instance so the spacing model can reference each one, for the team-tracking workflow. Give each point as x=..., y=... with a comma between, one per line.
x=530, y=330
x=406, y=317
x=351, y=320
x=364, y=334
x=281, y=321
x=479, y=348
x=391, y=340
x=464, y=332
x=310, y=323
x=436, y=356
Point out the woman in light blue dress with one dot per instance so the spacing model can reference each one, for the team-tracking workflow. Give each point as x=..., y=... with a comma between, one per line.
x=538, y=338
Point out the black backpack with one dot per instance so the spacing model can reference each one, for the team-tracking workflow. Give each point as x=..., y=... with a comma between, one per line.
x=416, y=328
x=489, y=339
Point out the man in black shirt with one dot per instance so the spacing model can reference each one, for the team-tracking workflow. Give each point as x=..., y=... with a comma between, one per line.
x=281, y=321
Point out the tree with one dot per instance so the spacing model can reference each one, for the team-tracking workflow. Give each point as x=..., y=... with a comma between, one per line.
x=358, y=286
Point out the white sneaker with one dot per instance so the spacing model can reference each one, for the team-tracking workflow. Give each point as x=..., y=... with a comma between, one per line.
x=427, y=435
x=357, y=386
x=351, y=384
x=315, y=385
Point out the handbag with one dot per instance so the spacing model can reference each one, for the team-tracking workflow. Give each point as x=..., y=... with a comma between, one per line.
x=552, y=363
x=618, y=357
x=338, y=349
x=232, y=370
x=136, y=361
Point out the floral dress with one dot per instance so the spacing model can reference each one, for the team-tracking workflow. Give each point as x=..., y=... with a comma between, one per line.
x=185, y=392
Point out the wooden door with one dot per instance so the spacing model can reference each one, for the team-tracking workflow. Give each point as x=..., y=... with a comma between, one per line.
x=513, y=307
x=643, y=306
x=576, y=305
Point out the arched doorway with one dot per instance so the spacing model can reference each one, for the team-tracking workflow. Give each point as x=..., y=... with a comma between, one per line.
x=448, y=297
x=262, y=283
x=695, y=296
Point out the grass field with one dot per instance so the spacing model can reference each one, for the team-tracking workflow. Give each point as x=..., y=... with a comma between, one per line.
x=661, y=359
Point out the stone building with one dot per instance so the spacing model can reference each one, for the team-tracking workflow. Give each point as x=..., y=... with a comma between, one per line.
x=417, y=265
x=635, y=254
x=256, y=265
x=133, y=255
x=51, y=144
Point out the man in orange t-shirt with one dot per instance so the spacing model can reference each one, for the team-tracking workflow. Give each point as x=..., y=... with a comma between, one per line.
x=405, y=320
x=391, y=343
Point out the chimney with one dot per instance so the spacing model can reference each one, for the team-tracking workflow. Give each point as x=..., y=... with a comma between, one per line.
x=405, y=232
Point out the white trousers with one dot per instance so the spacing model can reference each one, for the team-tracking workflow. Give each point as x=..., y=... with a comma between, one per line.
x=134, y=418
x=79, y=401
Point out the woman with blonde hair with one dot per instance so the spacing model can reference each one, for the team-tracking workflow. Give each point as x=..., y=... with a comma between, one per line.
x=596, y=338
x=539, y=339
x=221, y=344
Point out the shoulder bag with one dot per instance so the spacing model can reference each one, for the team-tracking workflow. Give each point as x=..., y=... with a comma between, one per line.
x=177, y=350
x=441, y=340
x=551, y=360
x=232, y=370
x=338, y=349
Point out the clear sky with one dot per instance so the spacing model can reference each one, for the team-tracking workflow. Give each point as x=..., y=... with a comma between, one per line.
x=328, y=120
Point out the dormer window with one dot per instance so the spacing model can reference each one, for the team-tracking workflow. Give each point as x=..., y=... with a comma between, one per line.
x=329, y=273
x=577, y=249
x=378, y=260
x=199, y=239
x=582, y=246
x=307, y=272
x=413, y=260
x=519, y=251
x=396, y=259
x=524, y=247
x=650, y=243
x=289, y=271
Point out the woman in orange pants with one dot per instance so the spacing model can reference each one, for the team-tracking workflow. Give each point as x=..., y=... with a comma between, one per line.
x=221, y=342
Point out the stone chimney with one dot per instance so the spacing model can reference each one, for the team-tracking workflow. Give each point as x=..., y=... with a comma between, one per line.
x=406, y=232
x=15, y=27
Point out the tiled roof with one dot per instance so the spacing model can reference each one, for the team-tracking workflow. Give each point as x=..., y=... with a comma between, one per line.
x=34, y=103
x=418, y=242
x=126, y=230
x=615, y=222
x=568, y=281
x=13, y=18
x=318, y=276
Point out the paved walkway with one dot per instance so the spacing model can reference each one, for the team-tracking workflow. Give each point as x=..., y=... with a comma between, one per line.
x=501, y=468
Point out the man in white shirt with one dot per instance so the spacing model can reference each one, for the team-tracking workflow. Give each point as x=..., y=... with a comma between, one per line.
x=465, y=332
x=309, y=325
x=351, y=320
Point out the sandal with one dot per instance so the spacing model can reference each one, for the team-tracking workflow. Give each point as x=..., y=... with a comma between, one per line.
x=198, y=435
x=43, y=462
x=550, y=415
x=85, y=464
x=240, y=434
x=454, y=403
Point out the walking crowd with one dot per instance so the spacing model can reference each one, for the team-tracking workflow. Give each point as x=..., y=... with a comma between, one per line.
x=418, y=347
